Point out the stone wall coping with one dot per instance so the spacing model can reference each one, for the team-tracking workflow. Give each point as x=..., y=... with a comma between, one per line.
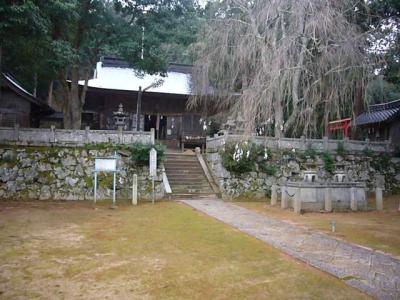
x=71, y=137
x=324, y=185
x=325, y=144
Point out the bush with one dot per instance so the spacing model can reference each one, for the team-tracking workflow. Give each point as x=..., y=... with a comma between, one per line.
x=310, y=153
x=340, y=149
x=268, y=168
x=368, y=152
x=140, y=152
x=329, y=165
x=239, y=157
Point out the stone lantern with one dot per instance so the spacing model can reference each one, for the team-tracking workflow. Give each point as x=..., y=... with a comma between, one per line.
x=120, y=117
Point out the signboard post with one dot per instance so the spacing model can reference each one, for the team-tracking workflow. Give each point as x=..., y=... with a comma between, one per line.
x=107, y=165
x=153, y=169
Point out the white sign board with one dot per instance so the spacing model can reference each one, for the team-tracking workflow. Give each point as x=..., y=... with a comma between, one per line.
x=153, y=162
x=105, y=164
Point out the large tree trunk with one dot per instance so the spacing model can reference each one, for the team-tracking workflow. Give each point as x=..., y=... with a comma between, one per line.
x=74, y=100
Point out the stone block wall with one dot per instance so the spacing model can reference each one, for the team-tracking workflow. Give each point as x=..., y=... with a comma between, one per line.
x=61, y=173
x=71, y=137
x=380, y=170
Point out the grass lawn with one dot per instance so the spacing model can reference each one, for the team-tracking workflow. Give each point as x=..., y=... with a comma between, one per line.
x=377, y=230
x=168, y=251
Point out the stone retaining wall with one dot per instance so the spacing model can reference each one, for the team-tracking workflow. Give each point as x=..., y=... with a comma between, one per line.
x=71, y=137
x=60, y=173
x=359, y=168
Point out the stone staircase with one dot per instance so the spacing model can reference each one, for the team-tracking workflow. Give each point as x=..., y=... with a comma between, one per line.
x=186, y=177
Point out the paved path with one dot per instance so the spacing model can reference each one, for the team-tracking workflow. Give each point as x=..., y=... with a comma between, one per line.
x=373, y=272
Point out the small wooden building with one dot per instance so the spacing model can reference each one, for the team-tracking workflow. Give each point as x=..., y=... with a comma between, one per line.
x=18, y=106
x=163, y=101
x=381, y=122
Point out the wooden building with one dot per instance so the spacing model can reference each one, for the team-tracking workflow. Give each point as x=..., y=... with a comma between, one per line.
x=381, y=122
x=163, y=101
x=18, y=106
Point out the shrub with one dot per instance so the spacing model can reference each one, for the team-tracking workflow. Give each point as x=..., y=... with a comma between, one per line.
x=239, y=157
x=329, y=165
x=268, y=168
x=140, y=152
x=368, y=152
x=310, y=153
x=341, y=150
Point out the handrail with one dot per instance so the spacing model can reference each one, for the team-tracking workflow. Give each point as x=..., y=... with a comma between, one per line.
x=167, y=187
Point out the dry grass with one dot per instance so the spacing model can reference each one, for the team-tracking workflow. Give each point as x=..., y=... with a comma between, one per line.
x=168, y=251
x=373, y=229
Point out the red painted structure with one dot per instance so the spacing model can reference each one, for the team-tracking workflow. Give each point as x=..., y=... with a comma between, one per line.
x=343, y=124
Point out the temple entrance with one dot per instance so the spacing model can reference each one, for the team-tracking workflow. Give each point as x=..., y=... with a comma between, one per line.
x=159, y=123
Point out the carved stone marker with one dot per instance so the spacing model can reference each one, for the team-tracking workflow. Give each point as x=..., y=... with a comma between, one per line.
x=297, y=202
x=379, y=198
x=284, y=199
x=134, y=190
x=274, y=195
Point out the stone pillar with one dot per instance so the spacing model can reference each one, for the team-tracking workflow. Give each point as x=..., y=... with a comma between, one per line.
x=134, y=190
x=297, y=201
x=120, y=134
x=87, y=132
x=353, y=199
x=53, y=134
x=303, y=142
x=379, y=198
x=16, y=132
x=326, y=143
x=274, y=195
x=284, y=198
x=328, y=200
x=388, y=144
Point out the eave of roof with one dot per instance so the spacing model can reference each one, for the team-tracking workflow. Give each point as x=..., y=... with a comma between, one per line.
x=10, y=82
x=379, y=113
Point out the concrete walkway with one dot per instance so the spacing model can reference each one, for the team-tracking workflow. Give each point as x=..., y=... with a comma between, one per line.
x=373, y=272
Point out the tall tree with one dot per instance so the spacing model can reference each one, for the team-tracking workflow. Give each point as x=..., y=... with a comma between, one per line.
x=72, y=35
x=294, y=64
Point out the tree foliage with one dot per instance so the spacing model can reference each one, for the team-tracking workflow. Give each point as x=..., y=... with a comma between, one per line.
x=292, y=64
x=62, y=40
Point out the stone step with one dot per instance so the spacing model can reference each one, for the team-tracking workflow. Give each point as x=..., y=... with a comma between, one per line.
x=192, y=168
x=172, y=171
x=206, y=192
x=190, y=158
x=194, y=196
x=187, y=177
x=182, y=164
x=186, y=187
x=190, y=187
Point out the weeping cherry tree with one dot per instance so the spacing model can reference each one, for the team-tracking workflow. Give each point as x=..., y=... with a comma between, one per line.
x=292, y=64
